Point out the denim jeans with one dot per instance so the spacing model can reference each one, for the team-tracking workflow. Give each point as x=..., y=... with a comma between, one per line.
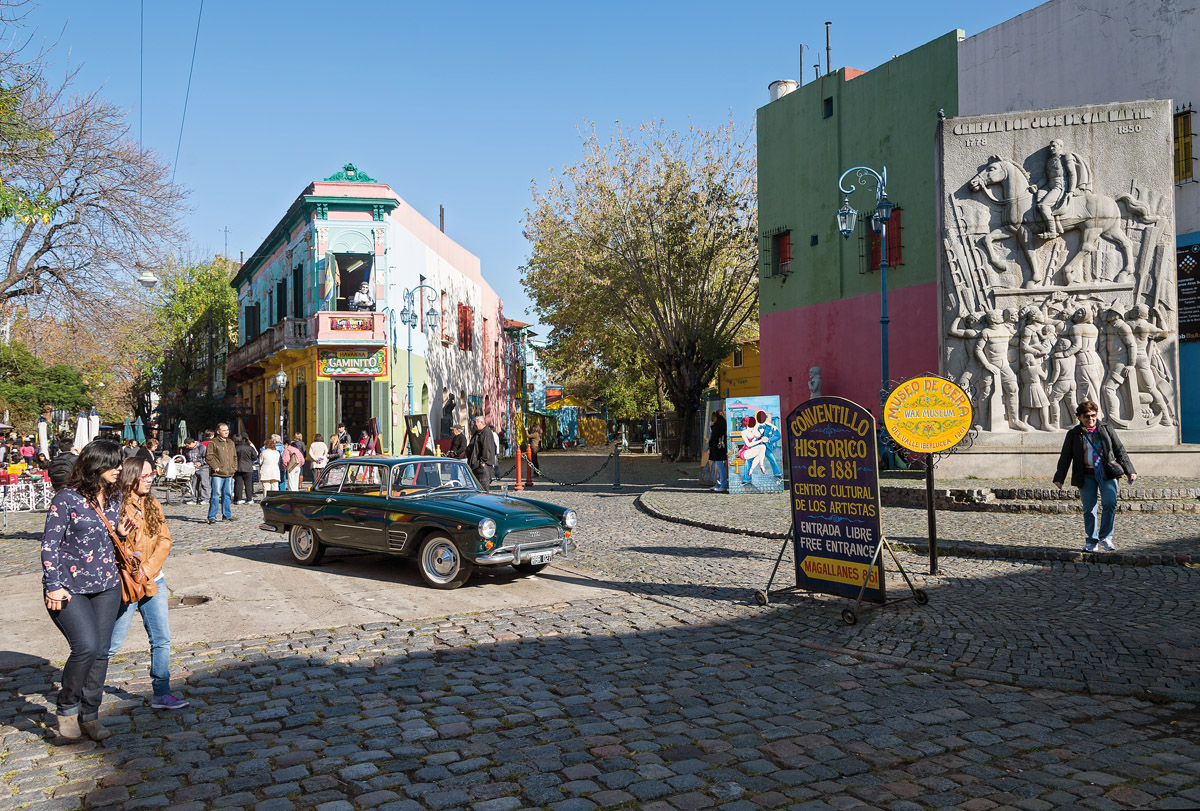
x=87, y=623
x=222, y=496
x=154, y=617
x=1106, y=489
x=721, y=475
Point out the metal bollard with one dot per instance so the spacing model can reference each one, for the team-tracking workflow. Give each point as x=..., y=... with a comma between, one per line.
x=520, y=486
x=617, y=464
x=529, y=470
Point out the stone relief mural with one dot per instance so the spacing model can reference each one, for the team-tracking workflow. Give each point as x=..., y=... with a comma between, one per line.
x=1057, y=274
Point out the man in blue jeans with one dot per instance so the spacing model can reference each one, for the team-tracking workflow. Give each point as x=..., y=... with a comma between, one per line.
x=222, y=461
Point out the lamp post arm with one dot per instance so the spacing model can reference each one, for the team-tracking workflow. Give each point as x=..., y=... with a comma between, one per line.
x=864, y=174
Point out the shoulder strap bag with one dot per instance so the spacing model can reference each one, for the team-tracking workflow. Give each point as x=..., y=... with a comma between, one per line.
x=134, y=583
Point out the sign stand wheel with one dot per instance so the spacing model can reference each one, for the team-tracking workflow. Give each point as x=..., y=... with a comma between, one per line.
x=761, y=597
x=849, y=617
x=918, y=595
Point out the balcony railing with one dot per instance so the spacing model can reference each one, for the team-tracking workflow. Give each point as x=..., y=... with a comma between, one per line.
x=300, y=333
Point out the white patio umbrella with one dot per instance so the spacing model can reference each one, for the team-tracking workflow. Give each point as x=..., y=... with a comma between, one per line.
x=93, y=425
x=43, y=436
x=81, y=431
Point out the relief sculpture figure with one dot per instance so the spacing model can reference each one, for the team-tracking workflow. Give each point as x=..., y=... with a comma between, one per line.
x=998, y=336
x=1062, y=381
x=1153, y=375
x=1065, y=173
x=1096, y=215
x=1034, y=345
x=1119, y=350
x=966, y=328
x=1089, y=371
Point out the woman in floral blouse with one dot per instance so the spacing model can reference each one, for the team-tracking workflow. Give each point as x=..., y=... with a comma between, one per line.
x=81, y=585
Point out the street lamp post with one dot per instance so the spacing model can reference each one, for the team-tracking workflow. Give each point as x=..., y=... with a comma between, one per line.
x=281, y=380
x=408, y=316
x=846, y=219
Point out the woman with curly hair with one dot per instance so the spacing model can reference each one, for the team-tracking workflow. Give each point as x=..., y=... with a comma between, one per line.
x=151, y=540
x=81, y=586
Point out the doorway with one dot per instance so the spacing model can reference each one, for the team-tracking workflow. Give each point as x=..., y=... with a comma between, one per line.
x=354, y=406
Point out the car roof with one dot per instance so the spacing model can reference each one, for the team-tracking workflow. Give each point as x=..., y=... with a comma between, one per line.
x=393, y=460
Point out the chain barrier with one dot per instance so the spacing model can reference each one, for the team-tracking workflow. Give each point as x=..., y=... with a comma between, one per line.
x=553, y=480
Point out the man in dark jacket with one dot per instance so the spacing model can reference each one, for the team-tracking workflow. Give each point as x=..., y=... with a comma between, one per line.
x=458, y=445
x=61, y=467
x=1090, y=449
x=718, y=452
x=194, y=452
x=222, y=461
x=481, y=453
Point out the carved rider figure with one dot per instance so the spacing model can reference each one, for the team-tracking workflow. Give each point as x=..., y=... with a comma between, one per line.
x=1066, y=173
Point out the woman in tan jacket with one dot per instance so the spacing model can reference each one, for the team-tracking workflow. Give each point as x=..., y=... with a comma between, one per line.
x=151, y=540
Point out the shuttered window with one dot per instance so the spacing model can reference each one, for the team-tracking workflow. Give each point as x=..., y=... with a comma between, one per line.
x=1183, y=147
x=466, y=327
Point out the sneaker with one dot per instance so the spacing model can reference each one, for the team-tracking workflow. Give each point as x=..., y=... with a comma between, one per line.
x=168, y=702
x=213, y=521
x=1108, y=545
x=1089, y=546
x=188, y=503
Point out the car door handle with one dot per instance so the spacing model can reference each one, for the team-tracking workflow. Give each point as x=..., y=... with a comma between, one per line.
x=329, y=500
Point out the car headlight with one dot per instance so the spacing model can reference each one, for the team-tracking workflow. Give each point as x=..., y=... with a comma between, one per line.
x=487, y=528
x=569, y=519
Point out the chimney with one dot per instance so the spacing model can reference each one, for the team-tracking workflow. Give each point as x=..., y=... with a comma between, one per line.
x=828, y=50
x=442, y=218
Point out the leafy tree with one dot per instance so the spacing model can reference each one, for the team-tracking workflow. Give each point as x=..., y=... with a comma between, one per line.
x=194, y=322
x=28, y=387
x=650, y=241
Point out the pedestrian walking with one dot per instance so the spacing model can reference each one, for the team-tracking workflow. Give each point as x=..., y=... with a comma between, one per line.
x=150, y=539
x=1097, y=459
x=481, y=454
x=718, y=451
x=335, y=448
x=298, y=443
x=243, y=481
x=80, y=582
x=222, y=461
x=535, y=442
x=201, y=483
x=147, y=452
x=291, y=460
x=318, y=452
x=269, y=465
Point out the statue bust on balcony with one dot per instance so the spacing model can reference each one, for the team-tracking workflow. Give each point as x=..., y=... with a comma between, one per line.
x=362, y=301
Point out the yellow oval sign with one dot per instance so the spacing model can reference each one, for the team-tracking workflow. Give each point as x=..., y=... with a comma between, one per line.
x=928, y=414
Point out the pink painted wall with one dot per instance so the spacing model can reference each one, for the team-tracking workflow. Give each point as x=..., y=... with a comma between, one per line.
x=842, y=337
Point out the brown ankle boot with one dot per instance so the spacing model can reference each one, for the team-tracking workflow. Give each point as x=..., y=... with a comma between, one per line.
x=94, y=729
x=68, y=727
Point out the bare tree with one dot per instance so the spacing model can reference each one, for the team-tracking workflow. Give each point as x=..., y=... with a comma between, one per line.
x=115, y=210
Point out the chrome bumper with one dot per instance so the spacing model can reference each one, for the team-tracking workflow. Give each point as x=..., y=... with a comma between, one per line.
x=269, y=528
x=520, y=554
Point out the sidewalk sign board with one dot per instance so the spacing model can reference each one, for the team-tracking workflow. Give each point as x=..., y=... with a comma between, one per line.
x=835, y=498
x=755, y=456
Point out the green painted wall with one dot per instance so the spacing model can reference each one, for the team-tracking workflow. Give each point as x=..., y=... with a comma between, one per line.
x=886, y=116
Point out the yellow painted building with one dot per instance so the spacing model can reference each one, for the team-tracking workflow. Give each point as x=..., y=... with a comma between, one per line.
x=739, y=375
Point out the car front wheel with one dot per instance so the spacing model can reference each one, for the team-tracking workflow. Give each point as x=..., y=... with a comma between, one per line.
x=441, y=564
x=306, y=548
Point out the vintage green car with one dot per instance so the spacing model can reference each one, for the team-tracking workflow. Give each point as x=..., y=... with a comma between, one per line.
x=424, y=507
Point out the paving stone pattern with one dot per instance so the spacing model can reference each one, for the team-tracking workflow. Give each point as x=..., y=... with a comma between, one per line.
x=1021, y=685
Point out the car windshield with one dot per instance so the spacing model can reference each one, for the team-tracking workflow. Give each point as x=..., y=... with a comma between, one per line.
x=415, y=478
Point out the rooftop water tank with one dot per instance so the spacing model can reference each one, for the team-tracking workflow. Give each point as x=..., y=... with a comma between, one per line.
x=781, y=87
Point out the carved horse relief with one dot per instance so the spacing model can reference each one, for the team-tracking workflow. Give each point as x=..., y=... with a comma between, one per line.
x=1095, y=215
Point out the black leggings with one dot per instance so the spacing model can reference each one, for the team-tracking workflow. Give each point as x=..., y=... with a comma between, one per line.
x=243, y=486
x=87, y=623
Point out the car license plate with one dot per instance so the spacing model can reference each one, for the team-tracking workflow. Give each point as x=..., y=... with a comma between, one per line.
x=540, y=557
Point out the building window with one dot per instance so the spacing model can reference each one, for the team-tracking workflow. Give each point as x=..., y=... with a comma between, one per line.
x=1183, y=147
x=827, y=108
x=298, y=291
x=466, y=327
x=281, y=300
x=737, y=356
x=895, y=242
x=783, y=252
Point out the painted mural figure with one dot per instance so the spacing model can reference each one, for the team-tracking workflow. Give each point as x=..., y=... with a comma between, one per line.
x=1152, y=372
x=1062, y=380
x=362, y=301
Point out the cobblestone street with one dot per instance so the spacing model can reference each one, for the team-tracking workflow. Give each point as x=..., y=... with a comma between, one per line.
x=1024, y=683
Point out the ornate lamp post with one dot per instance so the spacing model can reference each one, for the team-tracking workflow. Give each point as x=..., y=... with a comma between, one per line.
x=408, y=316
x=846, y=219
x=281, y=380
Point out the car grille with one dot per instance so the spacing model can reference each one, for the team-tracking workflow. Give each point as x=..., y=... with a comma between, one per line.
x=537, y=535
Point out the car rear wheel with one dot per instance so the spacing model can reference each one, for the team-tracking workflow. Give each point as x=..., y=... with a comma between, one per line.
x=441, y=564
x=306, y=548
x=530, y=568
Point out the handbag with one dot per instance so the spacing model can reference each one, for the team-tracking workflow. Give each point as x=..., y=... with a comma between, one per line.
x=1112, y=468
x=134, y=583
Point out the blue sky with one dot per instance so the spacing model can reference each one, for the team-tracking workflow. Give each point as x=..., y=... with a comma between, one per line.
x=458, y=104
